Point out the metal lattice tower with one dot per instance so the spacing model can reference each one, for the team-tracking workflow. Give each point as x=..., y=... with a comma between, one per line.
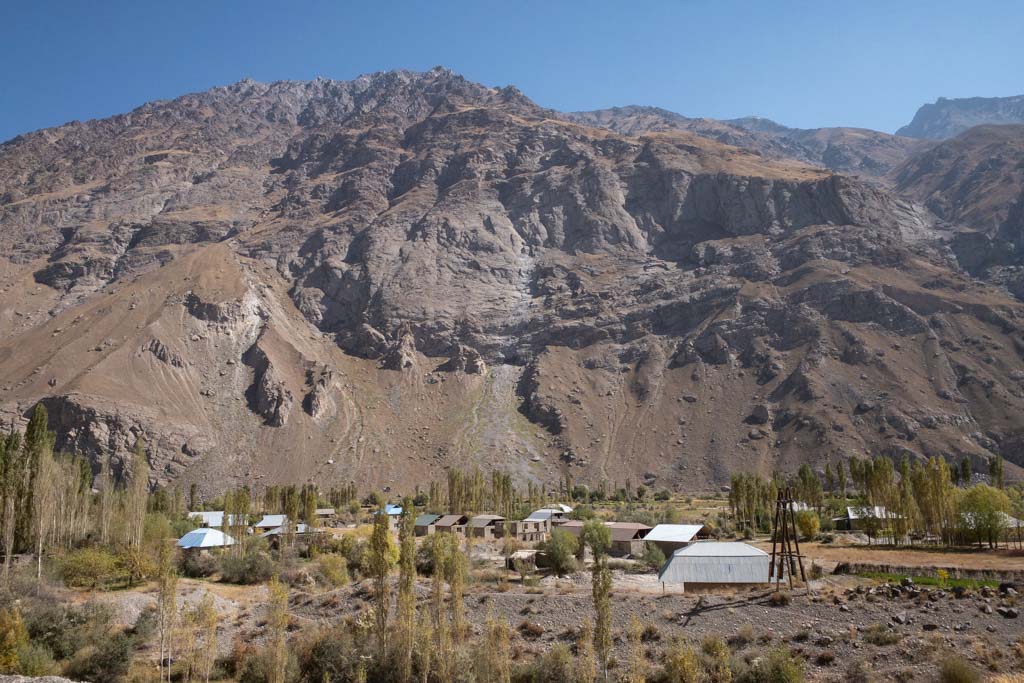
x=786, y=557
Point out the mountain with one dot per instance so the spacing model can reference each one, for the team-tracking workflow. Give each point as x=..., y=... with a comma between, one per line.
x=947, y=118
x=379, y=279
x=845, y=150
x=977, y=180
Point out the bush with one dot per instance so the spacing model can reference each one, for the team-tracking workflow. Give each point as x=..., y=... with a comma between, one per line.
x=107, y=662
x=252, y=568
x=779, y=599
x=198, y=565
x=425, y=554
x=328, y=655
x=682, y=663
x=13, y=637
x=90, y=568
x=559, y=553
x=653, y=557
x=555, y=666
x=333, y=570
x=777, y=666
x=63, y=629
x=956, y=670
x=36, y=660
x=808, y=523
x=878, y=634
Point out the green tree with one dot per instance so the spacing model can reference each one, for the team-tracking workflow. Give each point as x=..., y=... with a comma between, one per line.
x=559, y=552
x=379, y=564
x=983, y=509
x=808, y=523
x=406, y=608
x=13, y=637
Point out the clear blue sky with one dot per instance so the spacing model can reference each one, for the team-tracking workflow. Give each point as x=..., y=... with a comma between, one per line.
x=804, y=64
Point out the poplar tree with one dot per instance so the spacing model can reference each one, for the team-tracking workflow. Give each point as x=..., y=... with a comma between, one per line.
x=406, y=608
x=379, y=566
x=277, y=626
x=167, y=604
x=137, y=496
x=585, y=669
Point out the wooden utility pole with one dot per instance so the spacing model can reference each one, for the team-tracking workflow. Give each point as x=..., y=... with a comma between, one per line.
x=786, y=557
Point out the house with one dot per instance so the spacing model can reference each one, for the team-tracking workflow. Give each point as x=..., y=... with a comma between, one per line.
x=627, y=537
x=214, y=519
x=671, y=537
x=855, y=518
x=526, y=530
x=716, y=563
x=394, y=513
x=424, y=524
x=325, y=513
x=270, y=522
x=204, y=539
x=556, y=514
x=451, y=524
x=522, y=561
x=486, y=526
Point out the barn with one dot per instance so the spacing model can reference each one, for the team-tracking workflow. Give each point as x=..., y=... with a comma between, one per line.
x=713, y=562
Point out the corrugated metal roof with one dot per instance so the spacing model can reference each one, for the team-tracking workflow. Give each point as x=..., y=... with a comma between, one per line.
x=205, y=538
x=299, y=529
x=716, y=562
x=324, y=512
x=271, y=521
x=541, y=515
x=484, y=520
x=426, y=520
x=719, y=549
x=451, y=520
x=674, y=533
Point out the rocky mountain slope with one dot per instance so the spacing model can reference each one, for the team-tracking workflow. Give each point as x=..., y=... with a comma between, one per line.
x=977, y=180
x=846, y=150
x=378, y=279
x=947, y=118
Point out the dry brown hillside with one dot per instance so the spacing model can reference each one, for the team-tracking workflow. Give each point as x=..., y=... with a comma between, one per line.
x=375, y=280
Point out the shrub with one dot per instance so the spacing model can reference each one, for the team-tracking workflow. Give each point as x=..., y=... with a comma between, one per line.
x=779, y=599
x=35, y=660
x=776, y=666
x=682, y=665
x=559, y=553
x=63, y=629
x=653, y=557
x=878, y=634
x=333, y=570
x=555, y=666
x=808, y=523
x=425, y=554
x=89, y=568
x=663, y=494
x=956, y=670
x=198, y=565
x=107, y=662
x=13, y=637
x=252, y=568
x=744, y=636
x=328, y=655
x=825, y=658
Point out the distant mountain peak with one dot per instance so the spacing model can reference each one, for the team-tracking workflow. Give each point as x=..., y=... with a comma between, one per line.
x=948, y=117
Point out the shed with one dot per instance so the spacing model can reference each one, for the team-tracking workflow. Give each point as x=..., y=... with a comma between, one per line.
x=671, y=537
x=455, y=524
x=324, y=512
x=424, y=524
x=199, y=539
x=486, y=526
x=715, y=562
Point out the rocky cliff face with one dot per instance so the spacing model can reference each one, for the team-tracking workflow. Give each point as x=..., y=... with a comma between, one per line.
x=846, y=150
x=382, y=278
x=947, y=118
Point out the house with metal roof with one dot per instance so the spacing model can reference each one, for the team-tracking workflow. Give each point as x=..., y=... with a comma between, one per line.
x=554, y=514
x=486, y=526
x=324, y=513
x=213, y=518
x=671, y=537
x=627, y=537
x=715, y=562
x=451, y=524
x=856, y=516
x=526, y=530
x=424, y=524
x=270, y=522
x=204, y=539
